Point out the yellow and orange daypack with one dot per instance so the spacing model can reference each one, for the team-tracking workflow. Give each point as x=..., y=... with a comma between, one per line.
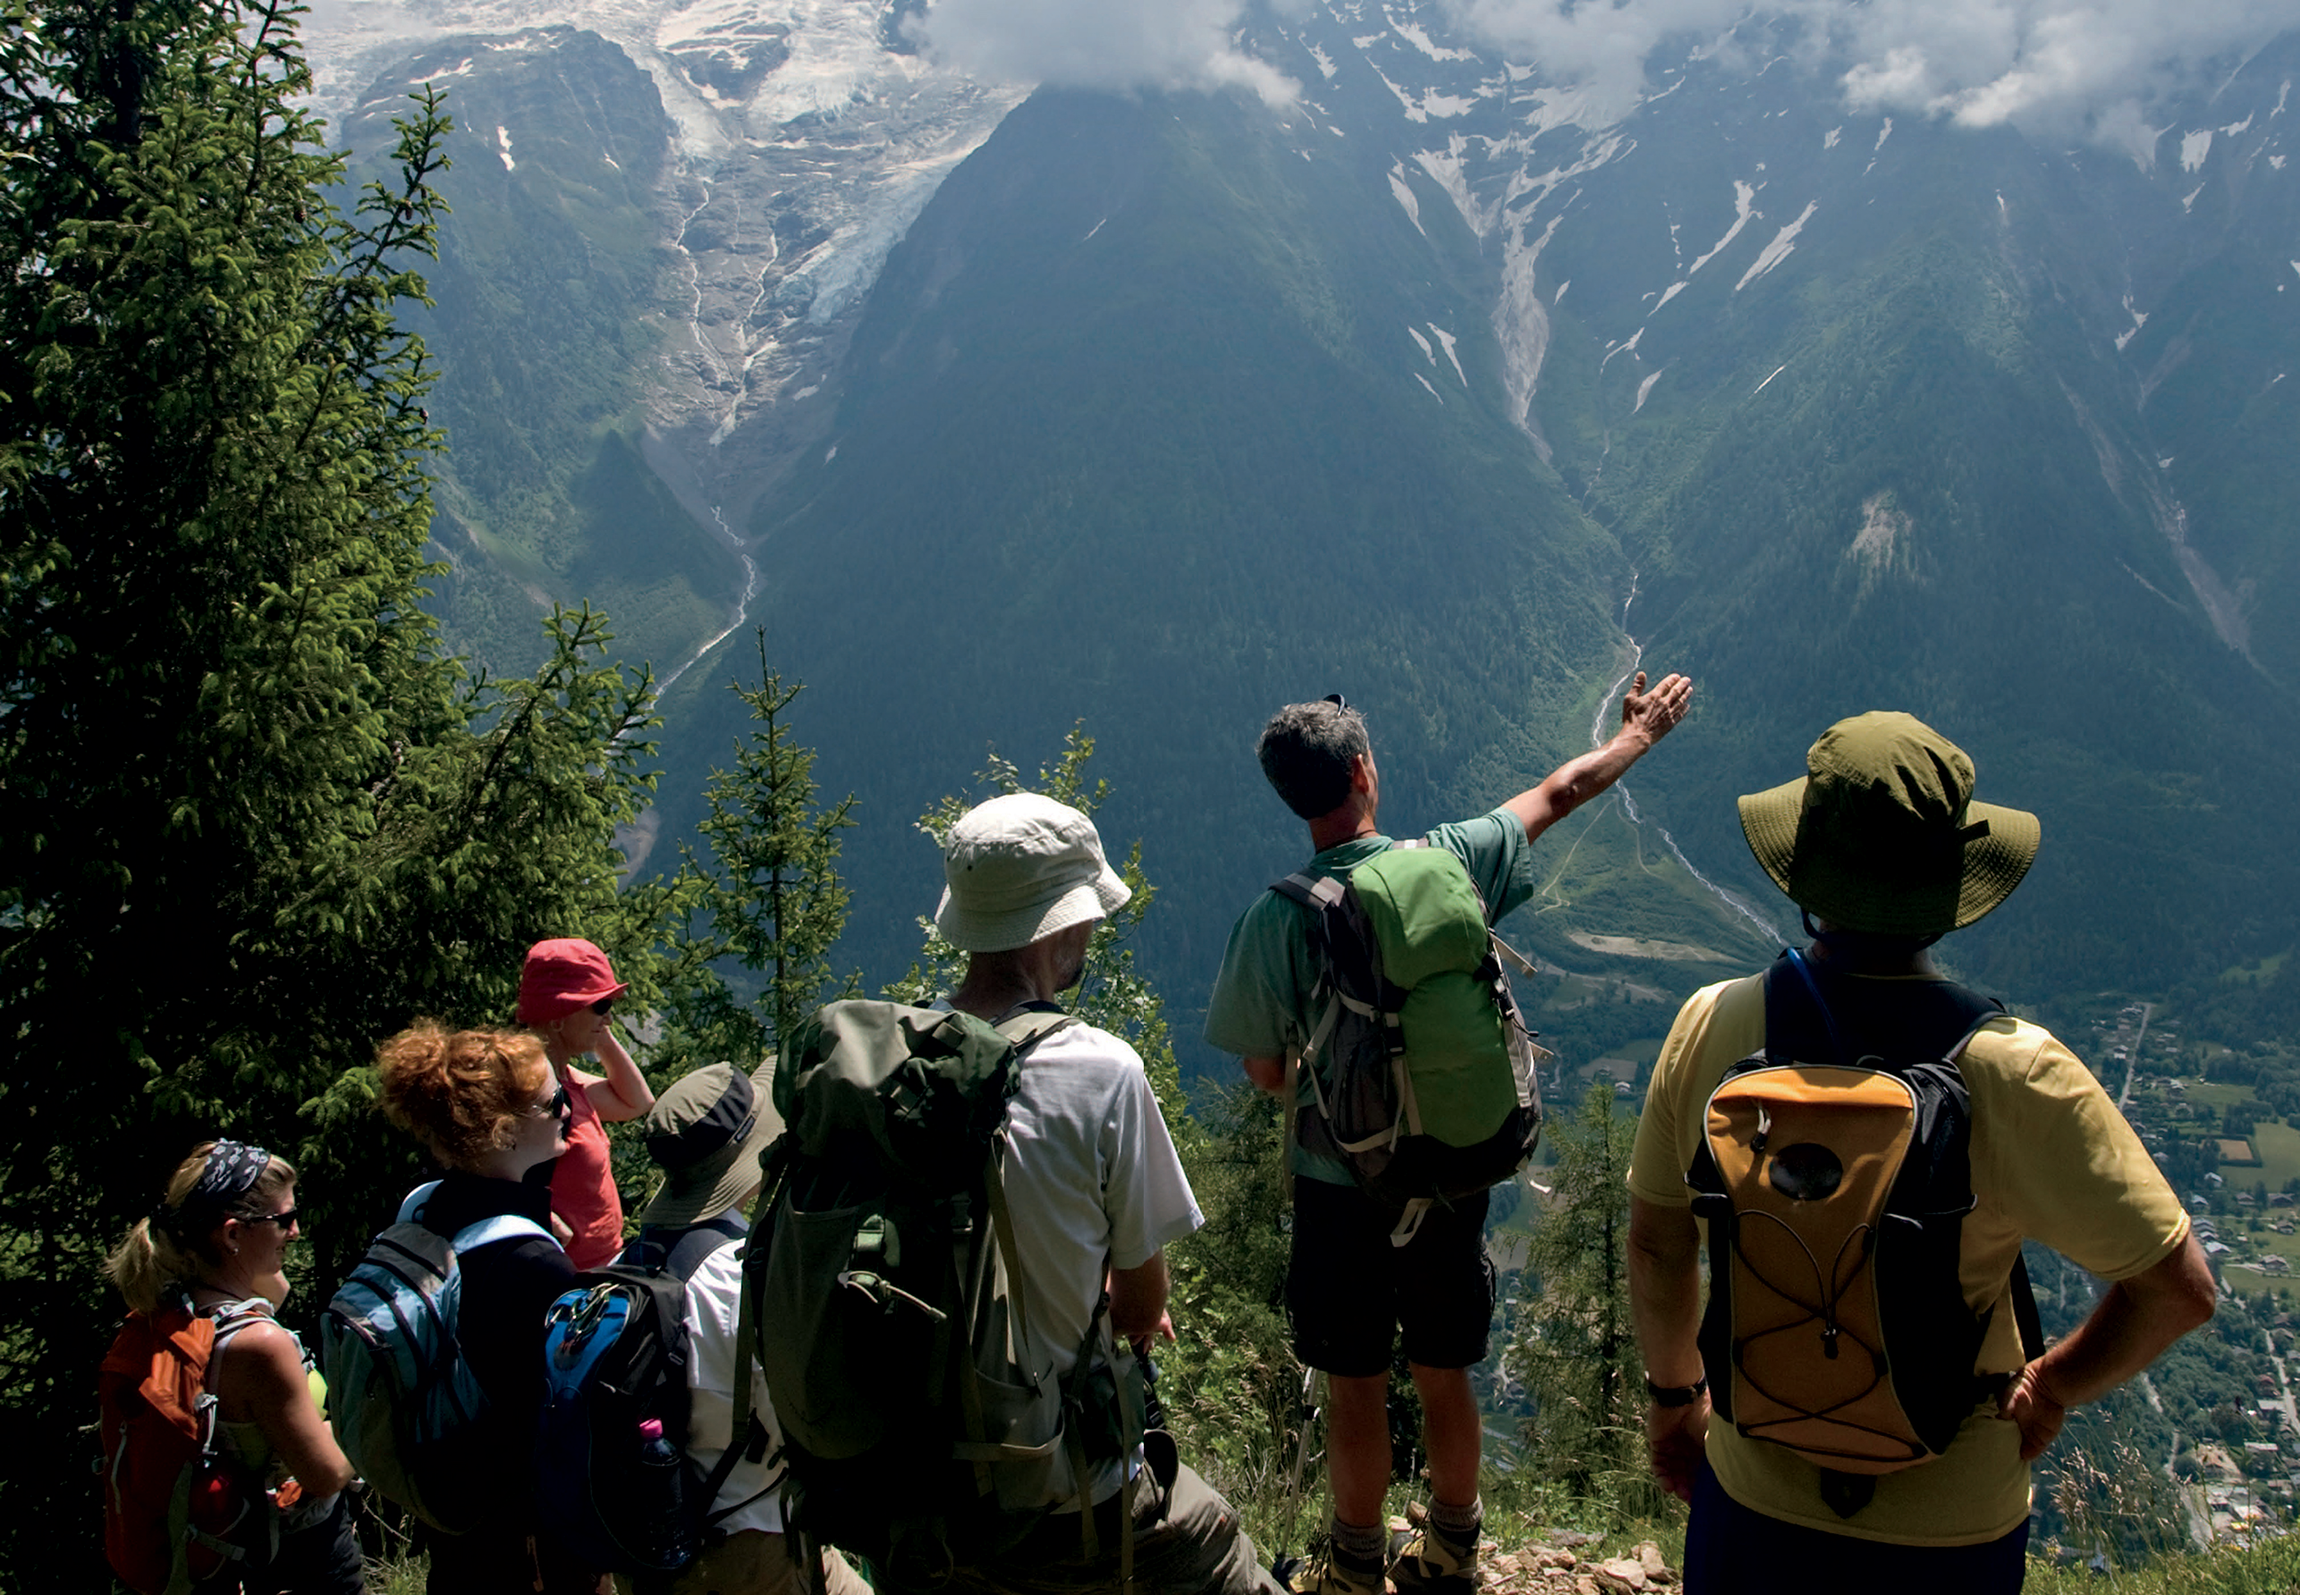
x=1835, y=1174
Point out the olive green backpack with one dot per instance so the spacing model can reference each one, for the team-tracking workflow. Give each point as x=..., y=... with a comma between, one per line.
x=920, y=1415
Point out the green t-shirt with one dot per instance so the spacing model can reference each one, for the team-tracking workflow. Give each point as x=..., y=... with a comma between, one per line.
x=1260, y=1007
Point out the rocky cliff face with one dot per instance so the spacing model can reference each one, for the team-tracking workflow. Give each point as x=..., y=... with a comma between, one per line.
x=801, y=139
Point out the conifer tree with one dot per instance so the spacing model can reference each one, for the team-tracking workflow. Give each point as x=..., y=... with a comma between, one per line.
x=256, y=818
x=769, y=894
x=1575, y=1347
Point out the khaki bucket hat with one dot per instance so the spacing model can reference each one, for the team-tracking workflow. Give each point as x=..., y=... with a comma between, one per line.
x=1882, y=835
x=1021, y=867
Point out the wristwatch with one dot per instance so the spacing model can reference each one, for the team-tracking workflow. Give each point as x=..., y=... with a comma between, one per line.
x=1675, y=1395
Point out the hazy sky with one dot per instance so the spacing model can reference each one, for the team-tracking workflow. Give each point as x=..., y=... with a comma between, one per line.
x=2057, y=67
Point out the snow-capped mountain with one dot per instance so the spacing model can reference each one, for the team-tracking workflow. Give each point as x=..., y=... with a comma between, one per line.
x=804, y=137
x=1406, y=363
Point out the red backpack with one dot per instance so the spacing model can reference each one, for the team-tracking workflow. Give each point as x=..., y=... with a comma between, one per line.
x=175, y=1510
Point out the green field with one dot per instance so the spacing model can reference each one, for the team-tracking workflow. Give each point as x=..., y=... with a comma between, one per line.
x=2214, y=1095
x=2279, y=1148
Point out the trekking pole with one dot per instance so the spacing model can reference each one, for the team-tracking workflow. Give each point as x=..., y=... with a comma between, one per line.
x=1285, y=1564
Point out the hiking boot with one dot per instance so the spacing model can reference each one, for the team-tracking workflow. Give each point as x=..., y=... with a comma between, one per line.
x=1328, y=1571
x=1434, y=1563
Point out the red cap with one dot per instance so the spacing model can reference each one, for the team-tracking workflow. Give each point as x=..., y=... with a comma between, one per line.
x=562, y=976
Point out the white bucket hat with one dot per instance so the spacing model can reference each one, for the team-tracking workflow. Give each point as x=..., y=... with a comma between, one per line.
x=1019, y=868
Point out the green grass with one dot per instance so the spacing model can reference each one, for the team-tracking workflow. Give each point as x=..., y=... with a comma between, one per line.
x=2270, y=1569
x=2255, y=974
x=2279, y=1149
x=2208, y=1094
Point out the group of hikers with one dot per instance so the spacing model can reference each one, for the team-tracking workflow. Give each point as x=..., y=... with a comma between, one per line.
x=956, y=1251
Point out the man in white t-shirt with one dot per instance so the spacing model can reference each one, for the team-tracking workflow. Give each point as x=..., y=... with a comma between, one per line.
x=752, y=1557
x=1094, y=1186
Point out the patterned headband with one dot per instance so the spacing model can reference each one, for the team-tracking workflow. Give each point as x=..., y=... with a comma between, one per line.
x=232, y=1171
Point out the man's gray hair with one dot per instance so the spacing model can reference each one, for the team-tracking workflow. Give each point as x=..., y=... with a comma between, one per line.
x=1307, y=750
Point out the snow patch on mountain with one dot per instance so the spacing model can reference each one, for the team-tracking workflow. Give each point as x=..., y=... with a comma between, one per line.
x=1423, y=107
x=1744, y=207
x=1447, y=168
x=1418, y=36
x=1521, y=325
x=2139, y=320
x=1447, y=341
x=1406, y=201
x=1778, y=250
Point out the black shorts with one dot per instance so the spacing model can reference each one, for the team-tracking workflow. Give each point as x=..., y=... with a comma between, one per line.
x=1349, y=1291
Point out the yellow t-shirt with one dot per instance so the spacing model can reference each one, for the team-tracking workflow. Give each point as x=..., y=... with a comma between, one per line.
x=2052, y=1160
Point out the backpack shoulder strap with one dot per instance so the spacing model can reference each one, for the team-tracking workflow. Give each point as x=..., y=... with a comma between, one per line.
x=502, y=1227
x=234, y=1316
x=1930, y=1020
x=1027, y=1027
x=411, y=1209
x=1311, y=891
x=682, y=1269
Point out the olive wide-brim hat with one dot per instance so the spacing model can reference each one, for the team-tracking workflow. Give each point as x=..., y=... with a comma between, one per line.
x=1882, y=834
x=705, y=1132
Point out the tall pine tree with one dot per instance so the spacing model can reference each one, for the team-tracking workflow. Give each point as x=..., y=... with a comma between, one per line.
x=1575, y=1347
x=256, y=818
x=768, y=895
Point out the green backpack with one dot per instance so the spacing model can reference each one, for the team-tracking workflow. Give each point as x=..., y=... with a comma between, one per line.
x=1423, y=1069
x=921, y=1419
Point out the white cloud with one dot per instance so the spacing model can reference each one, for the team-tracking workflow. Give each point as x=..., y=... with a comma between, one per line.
x=1101, y=44
x=2087, y=68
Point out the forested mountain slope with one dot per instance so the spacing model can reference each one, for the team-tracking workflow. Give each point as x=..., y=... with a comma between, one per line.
x=1440, y=378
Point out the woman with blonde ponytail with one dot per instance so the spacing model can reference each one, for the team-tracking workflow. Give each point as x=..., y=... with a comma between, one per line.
x=216, y=1244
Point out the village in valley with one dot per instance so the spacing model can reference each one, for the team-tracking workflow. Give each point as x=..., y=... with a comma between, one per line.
x=2219, y=1122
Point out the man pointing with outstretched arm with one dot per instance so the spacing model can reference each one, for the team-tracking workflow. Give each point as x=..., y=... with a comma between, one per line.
x=1349, y=1291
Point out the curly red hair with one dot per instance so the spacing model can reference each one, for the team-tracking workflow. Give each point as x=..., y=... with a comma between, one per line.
x=460, y=1092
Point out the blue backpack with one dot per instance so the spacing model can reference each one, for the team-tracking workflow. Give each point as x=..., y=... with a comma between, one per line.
x=613, y=1483
x=400, y=1394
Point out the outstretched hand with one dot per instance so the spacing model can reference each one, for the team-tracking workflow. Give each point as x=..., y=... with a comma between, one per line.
x=1656, y=712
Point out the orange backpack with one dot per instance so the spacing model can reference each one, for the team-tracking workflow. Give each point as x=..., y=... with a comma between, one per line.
x=175, y=1510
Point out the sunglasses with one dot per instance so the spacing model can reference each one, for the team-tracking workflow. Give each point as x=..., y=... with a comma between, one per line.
x=283, y=1219
x=556, y=1106
x=603, y=1007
